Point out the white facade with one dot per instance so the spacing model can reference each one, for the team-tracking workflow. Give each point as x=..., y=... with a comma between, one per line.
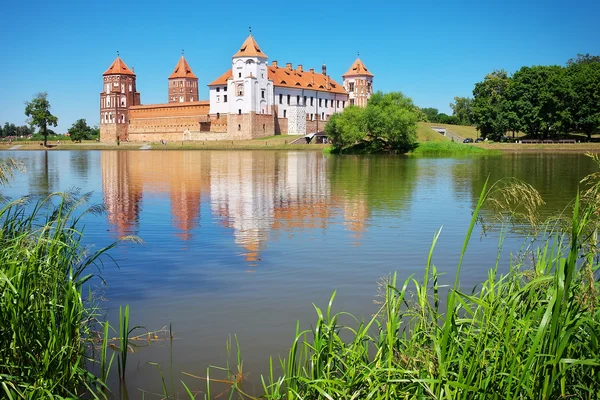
x=219, y=99
x=315, y=102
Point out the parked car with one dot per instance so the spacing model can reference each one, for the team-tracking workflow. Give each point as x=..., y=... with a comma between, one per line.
x=479, y=139
x=468, y=140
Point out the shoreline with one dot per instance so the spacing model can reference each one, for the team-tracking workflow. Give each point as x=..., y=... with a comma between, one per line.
x=279, y=143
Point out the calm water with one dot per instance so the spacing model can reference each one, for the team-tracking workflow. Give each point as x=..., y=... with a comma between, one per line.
x=244, y=242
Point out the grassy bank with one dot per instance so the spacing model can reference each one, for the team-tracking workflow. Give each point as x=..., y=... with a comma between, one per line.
x=449, y=149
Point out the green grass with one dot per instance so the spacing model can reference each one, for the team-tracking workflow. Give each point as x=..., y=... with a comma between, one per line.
x=448, y=148
x=460, y=130
x=47, y=325
x=426, y=134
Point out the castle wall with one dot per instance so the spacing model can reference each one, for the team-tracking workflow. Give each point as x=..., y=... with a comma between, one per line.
x=166, y=121
x=110, y=132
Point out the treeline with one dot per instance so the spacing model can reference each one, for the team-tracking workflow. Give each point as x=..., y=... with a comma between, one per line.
x=462, y=113
x=12, y=130
x=540, y=101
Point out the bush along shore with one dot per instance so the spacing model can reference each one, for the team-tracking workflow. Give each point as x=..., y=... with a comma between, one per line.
x=533, y=332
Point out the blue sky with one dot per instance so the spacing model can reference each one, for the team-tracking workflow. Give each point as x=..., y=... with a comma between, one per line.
x=431, y=51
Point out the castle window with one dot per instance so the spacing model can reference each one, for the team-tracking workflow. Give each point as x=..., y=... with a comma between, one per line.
x=338, y=104
x=218, y=98
x=225, y=88
x=312, y=101
x=239, y=74
x=304, y=103
x=240, y=111
x=218, y=115
x=325, y=103
x=297, y=100
x=239, y=126
x=311, y=116
x=351, y=102
x=351, y=87
x=344, y=104
x=288, y=99
x=180, y=90
x=262, y=94
x=240, y=89
x=225, y=99
x=322, y=116
x=280, y=99
x=191, y=99
x=320, y=102
x=218, y=90
x=284, y=113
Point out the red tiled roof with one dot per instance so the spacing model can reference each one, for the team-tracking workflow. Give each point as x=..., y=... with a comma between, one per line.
x=250, y=49
x=358, y=68
x=118, y=67
x=183, y=70
x=284, y=77
x=222, y=80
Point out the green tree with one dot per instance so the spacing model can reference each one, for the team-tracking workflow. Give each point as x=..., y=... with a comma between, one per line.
x=391, y=122
x=80, y=131
x=347, y=128
x=38, y=111
x=585, y=82
x=388, y=123
x=583, y=59
x=489, y=105
x=462, y=110
x=541, y=97
x=431, y=113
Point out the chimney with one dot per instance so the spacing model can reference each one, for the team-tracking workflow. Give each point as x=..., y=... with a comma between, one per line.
x=327, y=83
x=312, y=70
x=288, y=66
x=133, y=69
x=324, y=69
x=275, y=63
x=299, y=67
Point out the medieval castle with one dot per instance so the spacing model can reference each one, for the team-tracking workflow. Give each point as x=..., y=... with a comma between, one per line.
x=252, y=99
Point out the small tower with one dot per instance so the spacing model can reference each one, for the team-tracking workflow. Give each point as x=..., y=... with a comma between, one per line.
x=183, y=84
x=358, y=82
x=118, y=94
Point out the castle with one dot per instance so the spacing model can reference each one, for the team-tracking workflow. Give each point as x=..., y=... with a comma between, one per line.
x=252, y=99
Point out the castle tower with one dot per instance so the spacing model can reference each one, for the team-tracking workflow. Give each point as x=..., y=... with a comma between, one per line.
x=251, y=92
x=183, y=84
x=358, y=82
x=118, y=94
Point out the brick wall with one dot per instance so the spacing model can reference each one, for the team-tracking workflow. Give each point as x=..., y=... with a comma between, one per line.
x=110, y=132
x=165, y=121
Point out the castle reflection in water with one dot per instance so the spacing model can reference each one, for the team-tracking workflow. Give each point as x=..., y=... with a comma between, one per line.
x=255, y=194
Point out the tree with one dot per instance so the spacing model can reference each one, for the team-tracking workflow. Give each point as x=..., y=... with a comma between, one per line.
x=388, y=123
x=431, y=113
x=38, y=111
x=346, y=128
x=80, y=131
x=462, y=110
x=541, y=96
x=391, y=122
x=583, y=59
x=585, y=82
x=489, y=105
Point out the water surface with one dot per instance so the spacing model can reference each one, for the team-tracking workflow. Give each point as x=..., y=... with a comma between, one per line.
x=243, y=242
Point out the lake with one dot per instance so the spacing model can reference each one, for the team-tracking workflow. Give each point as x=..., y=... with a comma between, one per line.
x=244, y=242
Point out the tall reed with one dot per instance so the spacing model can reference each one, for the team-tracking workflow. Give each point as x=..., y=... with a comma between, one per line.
x=45, y=323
